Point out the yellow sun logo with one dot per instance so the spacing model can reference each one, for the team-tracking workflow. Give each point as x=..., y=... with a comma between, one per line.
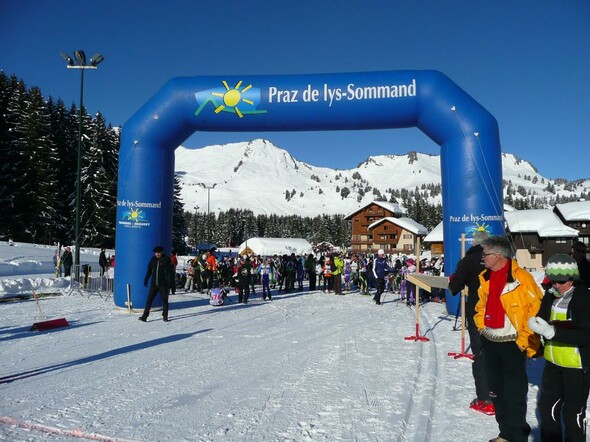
x=232, y=98
x=483, y=227
x=135, y=214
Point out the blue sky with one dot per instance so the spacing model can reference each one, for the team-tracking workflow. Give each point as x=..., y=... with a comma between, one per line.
x=527, y=62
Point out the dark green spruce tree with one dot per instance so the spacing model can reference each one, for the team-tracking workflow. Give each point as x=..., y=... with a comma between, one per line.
x=179, y=225
x=37, y=198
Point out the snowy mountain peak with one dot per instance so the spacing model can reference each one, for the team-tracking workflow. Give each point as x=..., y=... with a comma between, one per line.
x=259, y=176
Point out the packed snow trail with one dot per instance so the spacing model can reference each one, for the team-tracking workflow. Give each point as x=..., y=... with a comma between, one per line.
x=304, y=367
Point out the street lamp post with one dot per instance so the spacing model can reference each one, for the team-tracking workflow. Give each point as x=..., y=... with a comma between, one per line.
x=208, y=221
x=79, y=62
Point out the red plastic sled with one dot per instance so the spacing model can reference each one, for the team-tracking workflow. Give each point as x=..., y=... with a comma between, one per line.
x=48, y=325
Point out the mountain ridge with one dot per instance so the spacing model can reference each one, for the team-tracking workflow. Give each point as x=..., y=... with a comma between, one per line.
x=259, y=176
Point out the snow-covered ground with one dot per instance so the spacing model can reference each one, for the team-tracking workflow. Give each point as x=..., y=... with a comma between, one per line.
x=304, y=367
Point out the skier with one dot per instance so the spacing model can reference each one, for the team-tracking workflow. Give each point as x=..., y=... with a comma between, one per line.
x=467, y=275
x=244, y=271
x=264, y=270
x=67, y=261
x=102, y=261
x=159, y=269
x=362, y=278
x=563, y=321
x=380, y=270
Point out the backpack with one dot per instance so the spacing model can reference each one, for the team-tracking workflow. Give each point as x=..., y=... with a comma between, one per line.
x=216, y=297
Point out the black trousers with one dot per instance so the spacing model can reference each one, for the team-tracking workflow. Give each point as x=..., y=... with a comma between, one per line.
x=312, y=280
x=478, y=369
x=243, y=291
x=380, y=288
x=506, y=369
x=154, y=290
x=337, y=284
x=564, y=392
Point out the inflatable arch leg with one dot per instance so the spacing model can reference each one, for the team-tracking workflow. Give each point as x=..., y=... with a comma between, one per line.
x=468, y=135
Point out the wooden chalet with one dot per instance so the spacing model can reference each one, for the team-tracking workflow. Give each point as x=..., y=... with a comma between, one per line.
x=396, y=235
x=538, y=234
x=360, y=220
x=577, y=216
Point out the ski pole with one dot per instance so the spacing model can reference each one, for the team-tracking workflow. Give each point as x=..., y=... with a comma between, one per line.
x=457, y=317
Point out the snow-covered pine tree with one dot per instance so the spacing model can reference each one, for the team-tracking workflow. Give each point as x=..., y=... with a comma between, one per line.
x=15, y=163
x=37, y=196
x=179, y=226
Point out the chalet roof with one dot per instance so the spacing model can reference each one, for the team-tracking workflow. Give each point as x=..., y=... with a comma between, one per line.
x=436, y=235
x=542, y=221
x=392, y=207
x=405, y=223
x=277, y=246
x=574, y=211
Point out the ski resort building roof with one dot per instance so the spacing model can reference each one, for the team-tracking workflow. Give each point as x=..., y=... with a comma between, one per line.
x=405, y=223
x=394, y=208
x=542, y=221
x=574, y=211
x=275, y=246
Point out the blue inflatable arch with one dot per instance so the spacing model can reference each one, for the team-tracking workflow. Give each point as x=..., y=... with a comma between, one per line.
x=471, y=163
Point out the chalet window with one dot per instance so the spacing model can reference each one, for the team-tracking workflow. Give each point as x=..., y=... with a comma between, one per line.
x=407, y=236
x=560, y=241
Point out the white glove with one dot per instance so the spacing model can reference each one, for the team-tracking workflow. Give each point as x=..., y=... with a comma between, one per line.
x=541, y=327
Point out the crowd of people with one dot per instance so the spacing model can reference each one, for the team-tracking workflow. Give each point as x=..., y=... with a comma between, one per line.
x=335, y=273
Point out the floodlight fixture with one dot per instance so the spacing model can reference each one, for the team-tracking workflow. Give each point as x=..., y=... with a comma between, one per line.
x=67, y=58
x=80, y=57
x=96, y=59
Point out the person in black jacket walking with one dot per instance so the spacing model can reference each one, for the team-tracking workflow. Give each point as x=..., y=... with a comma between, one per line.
x=102, y=261
x=67, y=261
x=380, y=270
x=244, y=271
x=467, y=275
x=564, y=322
x=160, y=271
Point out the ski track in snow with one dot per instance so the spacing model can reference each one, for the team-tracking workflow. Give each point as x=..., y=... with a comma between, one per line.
x=305, y=367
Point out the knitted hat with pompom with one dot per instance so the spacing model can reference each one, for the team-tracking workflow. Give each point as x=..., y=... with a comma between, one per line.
x=561, y=268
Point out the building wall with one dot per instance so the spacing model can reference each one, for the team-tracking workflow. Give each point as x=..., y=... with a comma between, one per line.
x=361, y=238
x=386, y=236
x=407, y=243
x=437, y=249
x=532, y=251
x=584, y=228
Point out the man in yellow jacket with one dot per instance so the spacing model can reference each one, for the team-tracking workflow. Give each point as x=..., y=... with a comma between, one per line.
x=337, y=274
x=508, y=297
